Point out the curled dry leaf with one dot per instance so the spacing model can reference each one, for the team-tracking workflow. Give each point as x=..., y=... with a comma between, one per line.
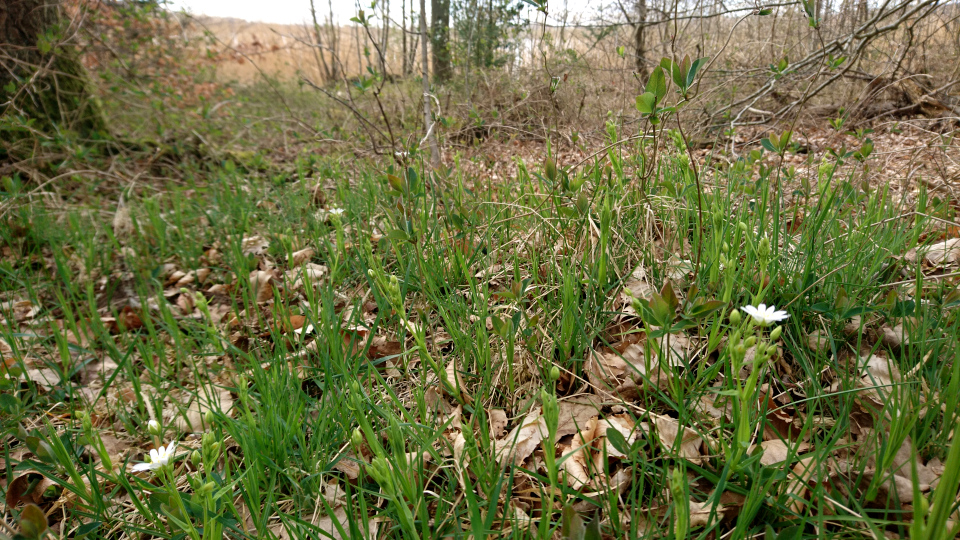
x=894, y=336
x=778, y=451
x=621, y=423
x=637, y=286
x=310, y=273
x=611, y=370
x=576, y=455
x=676, y=350
x=441, y=412
x=45, y=378
x=575, y=412
x=452, y=375
x=899, y=477
x=669, y=431
x=460, y=458
x=805, y=472
x=700, y=514
x=603, y=485
x=262, y=284
x=817, y=341
x=714, y=405
x=940, y=253
x=191, y=418
x=27, y=488
x=877, y=375
x=255, y=245
x=302, y=256
x=349, y=466
x=522, y=440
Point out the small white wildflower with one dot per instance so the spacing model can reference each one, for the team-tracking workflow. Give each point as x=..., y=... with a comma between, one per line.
x=159, y=457
x=764, y=315
x=335, y=211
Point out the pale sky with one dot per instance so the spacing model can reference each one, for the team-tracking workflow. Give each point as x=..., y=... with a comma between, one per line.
x=298, y=11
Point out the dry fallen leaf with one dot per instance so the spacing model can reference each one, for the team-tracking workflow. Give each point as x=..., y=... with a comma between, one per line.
x=191, y=418
x=817, y=341
x=938, y=254
x=254, y=245
x=668, y=429
x=522, y=439
x=575, y=411
x=262, y=284
x=777, y=451
x=576, y=455
x=877, y=375
x=297, y=258
x=621, y=423
x=806, y=471
x=676, y=350
x=610, y=369
x=899, y=476
x=28, y=487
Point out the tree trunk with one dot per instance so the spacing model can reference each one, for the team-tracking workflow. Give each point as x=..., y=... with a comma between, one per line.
x=321, y=59
x=43, y=85
x=384, y=40
x=334, y=43
x=440, y=38
x=639, y=37
x=428, y=124
x=403, y=35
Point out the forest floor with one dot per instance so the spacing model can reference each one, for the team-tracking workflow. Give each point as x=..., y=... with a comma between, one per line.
x=314, y=344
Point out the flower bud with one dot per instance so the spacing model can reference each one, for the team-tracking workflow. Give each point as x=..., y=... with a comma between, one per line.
x=85, y=421
x=750, y=341
x=208, y=418
x=743, y=226
x=381, y=472
x=775, y=334
x=207, y=488
x=726, y=247
x=735, y=317
x=924, y=505
x=551, y=411
x=554, y=373
x=356, y=439
x=740, y=350
x=195, y=458
x=153, y=428
x=764, y=248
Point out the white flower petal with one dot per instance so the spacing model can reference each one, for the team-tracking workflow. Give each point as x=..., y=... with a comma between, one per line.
x=143, y=467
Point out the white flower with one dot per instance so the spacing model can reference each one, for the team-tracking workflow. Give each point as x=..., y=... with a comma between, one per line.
x=335, y=211
x=765, y=315
x=159, y=457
